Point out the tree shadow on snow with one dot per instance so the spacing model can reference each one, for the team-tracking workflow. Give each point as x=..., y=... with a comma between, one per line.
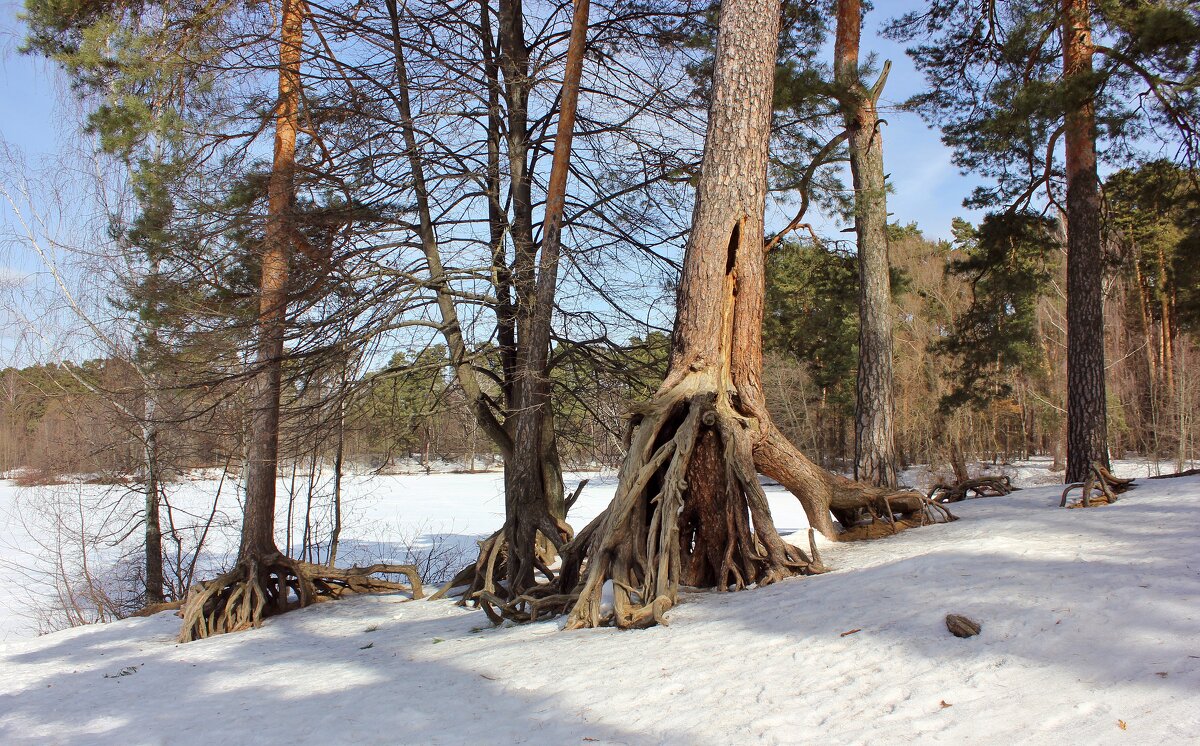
x=317, y=675
x=1056, y=605
x=1102, y=611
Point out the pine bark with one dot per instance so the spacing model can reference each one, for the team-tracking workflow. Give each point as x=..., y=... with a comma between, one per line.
x=1087, y=433
x=874, y=438
x=258, y=522
x=688, y=506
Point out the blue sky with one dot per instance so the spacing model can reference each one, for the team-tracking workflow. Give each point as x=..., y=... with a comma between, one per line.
x=28, y=91
x=928, y=188
x=29, y=96
x=37, y=118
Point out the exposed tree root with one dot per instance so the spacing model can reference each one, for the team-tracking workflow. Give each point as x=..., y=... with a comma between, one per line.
x=1184, y=473
x=864, y=512
x=260, y=587
x=981, y=487
x=688, y=512
x=152, y=609
x=1100, y=488
x=911, y=510
x=335, y=582
x=688, y=507
x=483, y=582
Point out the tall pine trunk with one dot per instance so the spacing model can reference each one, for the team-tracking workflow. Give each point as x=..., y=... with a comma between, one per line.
x=258, y=522
x=874, y=412
x=688, y=507
x=1087, y=431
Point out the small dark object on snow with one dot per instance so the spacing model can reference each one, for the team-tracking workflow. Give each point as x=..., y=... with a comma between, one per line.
x=960, y=626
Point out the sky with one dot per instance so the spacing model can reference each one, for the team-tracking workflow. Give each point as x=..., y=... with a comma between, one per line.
x=30, y=117
x=36, y=119
x=30, y=92
x=928, y=188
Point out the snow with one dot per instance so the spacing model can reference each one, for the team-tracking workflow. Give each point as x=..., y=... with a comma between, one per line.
x=386, y=516
x=1091, y=634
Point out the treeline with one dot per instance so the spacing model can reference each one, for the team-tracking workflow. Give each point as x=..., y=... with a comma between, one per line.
x=69, y=420
x=979, y=361
x=980, y=333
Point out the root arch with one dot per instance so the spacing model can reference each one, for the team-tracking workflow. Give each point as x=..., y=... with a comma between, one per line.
x=1100, y=487
x=688, y=508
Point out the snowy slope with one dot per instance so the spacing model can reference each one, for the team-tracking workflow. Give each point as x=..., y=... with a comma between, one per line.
x=1091, y=634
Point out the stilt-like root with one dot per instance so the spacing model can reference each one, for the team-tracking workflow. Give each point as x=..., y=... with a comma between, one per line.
x=892, y=513
x=335, y=582
x=260, y=587
x=1099, y=488
x=981, y=487
x=635, y=549
x=864, y=511
x=482, y=583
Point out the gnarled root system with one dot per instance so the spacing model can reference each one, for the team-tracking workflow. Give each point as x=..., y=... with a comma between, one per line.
x=688, y=509
x=260, y=587
x=981, y=487
x=484, y=585
x=1100, y=488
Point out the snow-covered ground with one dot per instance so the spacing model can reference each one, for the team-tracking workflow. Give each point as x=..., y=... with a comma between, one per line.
x=386, y=516
x=1091, y=634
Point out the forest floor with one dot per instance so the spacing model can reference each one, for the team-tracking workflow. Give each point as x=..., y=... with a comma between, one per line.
x=1091, y=634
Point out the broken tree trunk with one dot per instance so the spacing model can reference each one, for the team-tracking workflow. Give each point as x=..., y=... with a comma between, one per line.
x=688, y=507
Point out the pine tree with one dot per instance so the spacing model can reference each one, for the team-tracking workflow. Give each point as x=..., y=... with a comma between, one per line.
x=1009, y=81
x=1009, y=263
